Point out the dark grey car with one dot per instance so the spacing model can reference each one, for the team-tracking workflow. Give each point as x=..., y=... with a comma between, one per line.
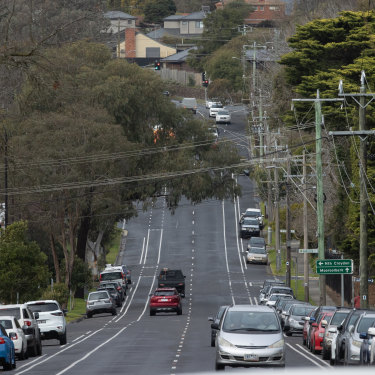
x=216, y=320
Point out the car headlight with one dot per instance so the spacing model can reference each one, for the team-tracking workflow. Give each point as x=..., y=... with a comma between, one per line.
x=225, y=344
x=357, y=343
x=277, y=344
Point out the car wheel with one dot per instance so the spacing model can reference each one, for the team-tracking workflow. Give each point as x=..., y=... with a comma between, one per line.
x=219, y=366
x=114, y=312
x=179, y=311
x=152, y=312
x=303, y=341
x=33, y=350
x=313, y=351
x=7, y=366
x=63, y=339
x=325, y=353
x=89, y=315
x=39, y=348
x=14, y=365
x=212, y=342
x=287, y=333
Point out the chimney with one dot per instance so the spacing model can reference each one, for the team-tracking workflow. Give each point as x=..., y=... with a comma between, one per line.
x=130, y=42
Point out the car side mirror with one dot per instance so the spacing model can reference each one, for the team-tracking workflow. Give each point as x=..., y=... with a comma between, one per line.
x=340, y=327
x=314, y=324
x=65, y=311
x=371, y=331
x=333, y=330
x=210, y=319
x=363, y=335
x=324, y=323
x=36, y=315
x=214, y=326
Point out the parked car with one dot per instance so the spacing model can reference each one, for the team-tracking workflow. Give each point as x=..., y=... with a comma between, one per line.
x=343, y=333
x=317, y=331
x=255, y=213
x=7, y=354
x=283, y=314
x=331, y=331
x=367, y=350
x=293, y=318
x=272, y=300
x=16, y=334
x=216, y=320
x=267, y=284
x=117, y=285
x=190, y=104
x=281, y=302
x=281, y=289
x=214, y=109
x=223, y=117
x=249, y=228
x=100, y=302
x=306, y=327
x=51, y=321
x=210, y=102
x=113, y=292
x=256, y=254
x=28, y=322
x=258, y=242
x=165, y=300
x=354, y=341
x=114, y=273
x=248, y=336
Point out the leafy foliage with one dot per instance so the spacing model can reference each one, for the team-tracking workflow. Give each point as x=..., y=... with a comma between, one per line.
x=156, y=10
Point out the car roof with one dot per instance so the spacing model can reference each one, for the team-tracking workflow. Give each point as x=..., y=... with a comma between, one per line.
x=254, y=308
x=20, y=305
x=164, y=289
x=42, y=301
x=253, y=210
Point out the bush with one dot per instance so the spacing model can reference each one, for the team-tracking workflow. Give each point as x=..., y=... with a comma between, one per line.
x=60, y=293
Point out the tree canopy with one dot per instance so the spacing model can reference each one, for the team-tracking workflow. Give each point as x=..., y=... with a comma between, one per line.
x=156, y=10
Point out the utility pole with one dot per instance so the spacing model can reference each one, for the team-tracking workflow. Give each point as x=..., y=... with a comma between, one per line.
x=305, y=232
x=287, y=220
x=6, y=206
x=277, y=220
x=363, y=210
x=319, y=184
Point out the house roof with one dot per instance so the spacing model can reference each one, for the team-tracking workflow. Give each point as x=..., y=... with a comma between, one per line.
x=117, y=15
x=196, y=16
x=178, y=57
x=157, y=34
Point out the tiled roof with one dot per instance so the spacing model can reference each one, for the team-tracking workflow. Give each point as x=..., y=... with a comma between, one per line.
x=179, y=56
x=117, y=15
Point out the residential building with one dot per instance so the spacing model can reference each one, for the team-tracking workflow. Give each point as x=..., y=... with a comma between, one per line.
x=119, y=21
x=185, y=25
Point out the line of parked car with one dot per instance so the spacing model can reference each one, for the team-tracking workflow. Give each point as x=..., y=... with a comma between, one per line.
x=24, y=326
x=343, y=335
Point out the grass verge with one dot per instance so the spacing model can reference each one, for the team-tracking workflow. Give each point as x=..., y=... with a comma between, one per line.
x=78, y=311
x=113, y=246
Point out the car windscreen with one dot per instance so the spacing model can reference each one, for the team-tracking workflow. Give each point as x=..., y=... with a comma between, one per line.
x=6, y=323
x=257, y=250
x=171, y=275
x=257, y=241
x=43, y=307
x=281, y=291
x=164, y=293
x=223, y=113
x=365, y=323
x=111, y=276
x=338, y=318
x=12, y=311
x=250, y=321
x=97, y=296
x=250, y=221
x=301, y=310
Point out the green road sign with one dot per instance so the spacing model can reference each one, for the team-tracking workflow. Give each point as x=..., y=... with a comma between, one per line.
x=334, y=266
x=308, y=251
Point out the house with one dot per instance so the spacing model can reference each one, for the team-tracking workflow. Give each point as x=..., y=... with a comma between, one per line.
x=119, y=21
x=178, y=61
x=190, y=25
x=140, y=46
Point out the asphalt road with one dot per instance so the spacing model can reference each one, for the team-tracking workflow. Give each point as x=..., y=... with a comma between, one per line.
x=202, y=240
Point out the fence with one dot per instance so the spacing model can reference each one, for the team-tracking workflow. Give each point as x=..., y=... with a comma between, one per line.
x=181, y=76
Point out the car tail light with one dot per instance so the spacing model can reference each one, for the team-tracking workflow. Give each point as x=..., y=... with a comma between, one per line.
x=13, y=335
x=100, y=277
x=27, y=323
x=2, y=341
x=180, y=284
x=119, y=288
x=57, y=314
x=161, y=284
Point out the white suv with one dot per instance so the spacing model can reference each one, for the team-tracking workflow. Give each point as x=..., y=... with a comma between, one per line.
x=51, y=319
x=28, y=323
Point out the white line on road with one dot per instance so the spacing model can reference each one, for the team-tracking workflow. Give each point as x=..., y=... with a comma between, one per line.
x=317, y=358
x=78, y=338
x=307, y=357
x=143, y=249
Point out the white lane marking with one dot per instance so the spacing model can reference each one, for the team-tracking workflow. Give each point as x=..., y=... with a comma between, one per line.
x=250, y=283
x=226, y=252
x=317, y=358
x=124, y=304
x=256, y=301
x=59, y=352
x=153, y=280
x=148, y=238
x=131, y=299
x=29, y=363
x=78, y=338
x=143, y=249
x=238, y=245
x=88, y=332
x=307, y=357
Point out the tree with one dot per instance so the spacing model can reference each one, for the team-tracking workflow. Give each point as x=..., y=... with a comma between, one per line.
x=22, y=265
x=156, y=10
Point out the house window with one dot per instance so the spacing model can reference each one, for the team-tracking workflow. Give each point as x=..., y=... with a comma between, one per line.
x=276, y=9
x=199, y=24
x=184, y=23
x=261, y=8
x=130, y=22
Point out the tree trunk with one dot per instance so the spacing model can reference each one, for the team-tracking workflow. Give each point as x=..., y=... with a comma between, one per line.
x=55, y=259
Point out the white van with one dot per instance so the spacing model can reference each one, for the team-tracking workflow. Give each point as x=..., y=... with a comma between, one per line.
x=190, y=103
x=114, y=273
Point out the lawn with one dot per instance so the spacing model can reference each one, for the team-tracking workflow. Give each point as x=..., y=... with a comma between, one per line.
x=78, y=311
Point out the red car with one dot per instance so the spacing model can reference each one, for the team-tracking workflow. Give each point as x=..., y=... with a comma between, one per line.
x=317, y=332
x=165, y=300
x=306, y=328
